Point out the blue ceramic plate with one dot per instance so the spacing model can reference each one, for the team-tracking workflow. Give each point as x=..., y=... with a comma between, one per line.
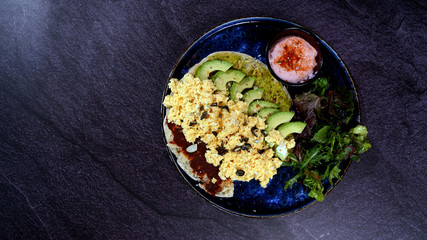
x=251, y=36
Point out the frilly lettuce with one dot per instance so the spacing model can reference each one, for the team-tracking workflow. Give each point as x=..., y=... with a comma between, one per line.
x=331, y=137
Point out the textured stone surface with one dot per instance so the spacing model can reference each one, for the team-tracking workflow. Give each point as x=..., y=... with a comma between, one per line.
x=81, y=153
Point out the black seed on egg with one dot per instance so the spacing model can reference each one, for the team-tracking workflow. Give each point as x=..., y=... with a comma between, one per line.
x=240, y=173
x=246, y=147
x=201, y=108
x=214, y=133
x=192, y=123
x=253, y=131
x=204, y=115
x=221, y=150
x=225, y=107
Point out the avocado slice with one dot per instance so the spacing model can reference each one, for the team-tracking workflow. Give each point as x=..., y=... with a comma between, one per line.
x=277, y=119
x=247, y=82
x=267, y=112
x=222, y=78
x=210, y=66
x=257, y=105
x=291, y=127
x=253, y=94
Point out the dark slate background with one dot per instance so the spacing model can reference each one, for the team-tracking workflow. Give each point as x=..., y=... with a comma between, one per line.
x=81, y=152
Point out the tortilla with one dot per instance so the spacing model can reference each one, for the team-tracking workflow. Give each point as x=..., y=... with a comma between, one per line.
x=273, y=92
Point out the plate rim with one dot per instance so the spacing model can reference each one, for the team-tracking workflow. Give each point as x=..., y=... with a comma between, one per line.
x=232, y=23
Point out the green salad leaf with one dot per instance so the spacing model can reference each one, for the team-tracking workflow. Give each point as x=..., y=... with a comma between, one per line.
x=360, y=136
x=322, y=136
x=316, y=187
x=330, y=137
x=320, y=86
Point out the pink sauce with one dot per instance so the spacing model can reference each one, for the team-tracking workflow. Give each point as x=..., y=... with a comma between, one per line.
x=293, y=59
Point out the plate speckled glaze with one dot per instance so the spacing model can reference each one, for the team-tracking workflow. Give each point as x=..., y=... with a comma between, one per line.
x=251, y=36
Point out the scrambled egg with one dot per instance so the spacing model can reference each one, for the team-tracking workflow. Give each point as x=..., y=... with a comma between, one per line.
x=234, y=140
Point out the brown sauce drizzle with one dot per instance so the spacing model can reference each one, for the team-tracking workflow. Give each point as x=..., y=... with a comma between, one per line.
x=197, y=159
